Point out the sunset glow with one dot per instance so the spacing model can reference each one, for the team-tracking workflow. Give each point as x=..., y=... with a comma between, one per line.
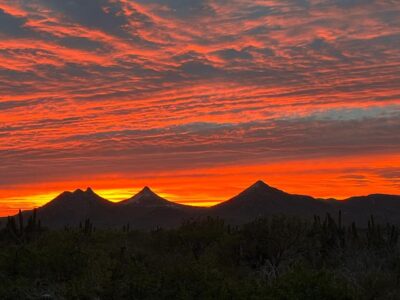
x=198, y=99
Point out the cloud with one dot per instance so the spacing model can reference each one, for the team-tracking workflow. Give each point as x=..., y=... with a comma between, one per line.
x=353, y=3
x=232, y=54
x=197, y=68
x=11, y=25
x=106, y=86
x=100, y=14
x=183, y=8
x=82, y=43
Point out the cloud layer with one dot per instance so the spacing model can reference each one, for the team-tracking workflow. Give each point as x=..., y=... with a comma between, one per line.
x=136, y=89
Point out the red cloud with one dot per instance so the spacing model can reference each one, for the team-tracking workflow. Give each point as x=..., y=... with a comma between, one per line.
x=127, y=87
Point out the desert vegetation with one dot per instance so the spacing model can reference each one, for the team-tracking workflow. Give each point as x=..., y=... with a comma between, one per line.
x=271, y=258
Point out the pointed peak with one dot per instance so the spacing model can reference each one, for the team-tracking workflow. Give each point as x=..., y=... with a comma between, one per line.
x=89, y=191
x=147, y=197
x=261, y=187
x=146, y=191
x=260, y=184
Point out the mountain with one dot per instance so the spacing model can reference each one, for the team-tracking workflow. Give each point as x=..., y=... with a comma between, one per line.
x=147, y=198
x=384, y=208
x=147, y=210
x=70, y=208
x=261, y=200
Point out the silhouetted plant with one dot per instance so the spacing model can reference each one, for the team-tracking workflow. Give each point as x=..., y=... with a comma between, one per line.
x=271, y=258
x=88, y=228
x=21, y=233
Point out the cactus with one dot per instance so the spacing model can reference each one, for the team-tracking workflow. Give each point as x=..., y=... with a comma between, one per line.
x=374, y=234
x=20, y=221
x=33, y=226
x=12, y=228
x=393, y=236
x=354, y=231
x=21, y=233
x=88, y=228
x=126, y=228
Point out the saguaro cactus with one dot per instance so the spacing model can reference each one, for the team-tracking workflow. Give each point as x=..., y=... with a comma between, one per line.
x=88, y=229
x=21, y=232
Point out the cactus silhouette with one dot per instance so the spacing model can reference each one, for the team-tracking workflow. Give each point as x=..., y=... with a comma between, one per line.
x=22, y=233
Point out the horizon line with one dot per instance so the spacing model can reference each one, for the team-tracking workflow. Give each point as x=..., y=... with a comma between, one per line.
x=186, y=203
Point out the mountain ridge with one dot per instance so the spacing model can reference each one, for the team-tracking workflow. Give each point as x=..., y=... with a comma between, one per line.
x=146, y=209
x=147, y=197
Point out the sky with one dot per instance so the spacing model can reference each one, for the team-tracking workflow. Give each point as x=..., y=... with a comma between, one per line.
x=198, y=99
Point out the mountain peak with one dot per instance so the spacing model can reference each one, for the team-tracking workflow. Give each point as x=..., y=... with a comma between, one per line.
x=78, y=192
x=259, y=190
x=78, y=200
x=146, y=192
x=146, y=189
x=89, y=191
x=146, y=197
x=260, y=184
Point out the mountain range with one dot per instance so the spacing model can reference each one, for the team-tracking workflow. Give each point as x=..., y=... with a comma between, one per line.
x=147, y=210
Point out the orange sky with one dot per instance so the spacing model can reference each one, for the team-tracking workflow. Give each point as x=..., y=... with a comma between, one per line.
x=345, y=177
x=198, y=99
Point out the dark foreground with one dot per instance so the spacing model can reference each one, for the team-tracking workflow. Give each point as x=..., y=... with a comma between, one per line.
x=275, y=258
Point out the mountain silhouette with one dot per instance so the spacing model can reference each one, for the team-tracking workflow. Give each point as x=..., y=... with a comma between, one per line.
x=384, y=208
x=261, y=199
x=71, y=208
x=147, y=198
x=147, y=210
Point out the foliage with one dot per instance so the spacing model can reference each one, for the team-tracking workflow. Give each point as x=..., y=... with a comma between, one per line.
x=275, y=258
